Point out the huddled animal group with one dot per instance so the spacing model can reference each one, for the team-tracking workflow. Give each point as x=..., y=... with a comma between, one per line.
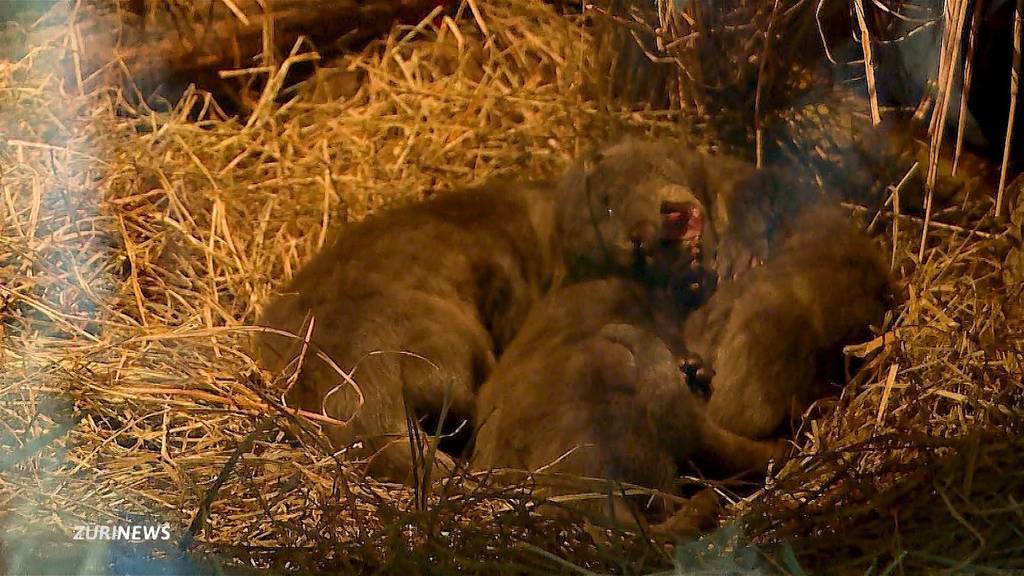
x=657, y=308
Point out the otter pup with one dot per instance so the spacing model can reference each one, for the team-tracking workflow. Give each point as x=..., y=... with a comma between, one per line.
x=769, y=335
x=413, y=305
x=587, y=390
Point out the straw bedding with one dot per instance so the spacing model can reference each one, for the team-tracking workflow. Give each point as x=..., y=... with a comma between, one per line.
x=138, y=243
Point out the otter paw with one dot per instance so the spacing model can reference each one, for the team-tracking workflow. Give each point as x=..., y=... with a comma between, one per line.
x=698, y=375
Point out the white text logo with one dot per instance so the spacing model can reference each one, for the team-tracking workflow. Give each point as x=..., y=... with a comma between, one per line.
x=135, y=533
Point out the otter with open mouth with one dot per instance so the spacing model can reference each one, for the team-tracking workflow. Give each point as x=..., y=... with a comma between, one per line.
x=642, y=214
x=633, y=201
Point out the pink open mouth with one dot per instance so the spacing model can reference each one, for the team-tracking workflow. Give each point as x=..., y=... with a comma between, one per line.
x=681, y=222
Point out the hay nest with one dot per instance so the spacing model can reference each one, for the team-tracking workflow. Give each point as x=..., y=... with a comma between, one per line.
x=137, y=245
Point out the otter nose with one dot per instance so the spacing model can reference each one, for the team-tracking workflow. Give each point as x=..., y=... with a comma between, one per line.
x=643, y=234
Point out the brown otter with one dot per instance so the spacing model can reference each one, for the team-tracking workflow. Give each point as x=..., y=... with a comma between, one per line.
x=769, y=335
